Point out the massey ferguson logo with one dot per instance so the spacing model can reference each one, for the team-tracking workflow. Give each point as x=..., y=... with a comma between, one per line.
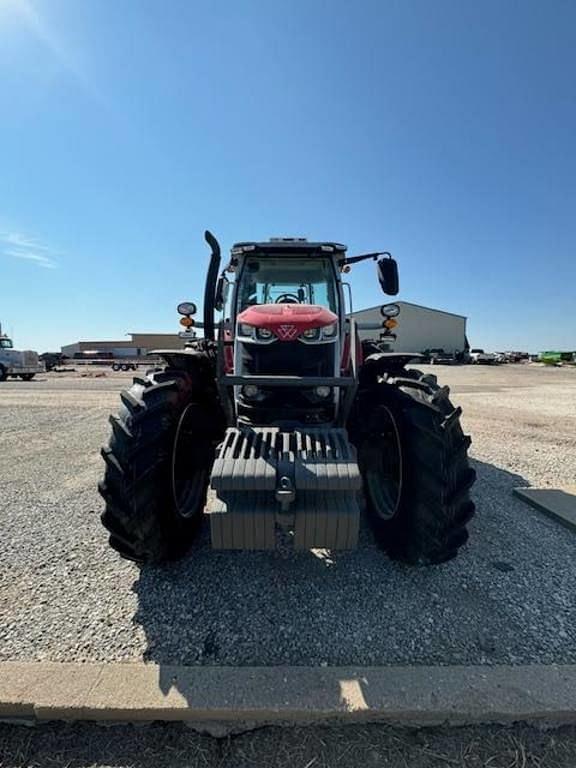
x=287, y=332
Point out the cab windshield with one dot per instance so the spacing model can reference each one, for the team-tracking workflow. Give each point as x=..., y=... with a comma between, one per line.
x=5, y=344
x=287, y=280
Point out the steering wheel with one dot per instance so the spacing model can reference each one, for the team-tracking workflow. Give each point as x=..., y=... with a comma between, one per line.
x=287, y=298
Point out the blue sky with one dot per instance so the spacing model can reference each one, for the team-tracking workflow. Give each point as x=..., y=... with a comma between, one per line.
x=443, y=131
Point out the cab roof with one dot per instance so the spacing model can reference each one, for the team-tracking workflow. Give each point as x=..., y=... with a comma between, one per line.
x=289, y=246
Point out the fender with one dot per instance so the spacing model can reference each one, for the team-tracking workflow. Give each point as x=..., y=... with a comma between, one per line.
x=385, y=362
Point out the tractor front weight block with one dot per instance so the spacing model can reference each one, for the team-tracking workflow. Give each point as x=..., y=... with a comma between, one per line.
x=305, y=481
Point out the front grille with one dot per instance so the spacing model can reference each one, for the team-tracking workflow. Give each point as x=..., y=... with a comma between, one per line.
x=287, y=404
x=30, y=358
x=288, y=358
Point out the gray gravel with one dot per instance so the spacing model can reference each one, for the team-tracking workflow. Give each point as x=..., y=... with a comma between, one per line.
x=64, y=595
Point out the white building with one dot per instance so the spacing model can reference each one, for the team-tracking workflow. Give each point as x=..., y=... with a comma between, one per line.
x=419, y=328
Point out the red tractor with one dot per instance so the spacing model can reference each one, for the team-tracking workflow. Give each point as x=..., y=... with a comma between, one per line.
x=278, y=418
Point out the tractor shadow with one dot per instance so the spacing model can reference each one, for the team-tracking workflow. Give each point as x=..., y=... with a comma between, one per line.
x=502, y=601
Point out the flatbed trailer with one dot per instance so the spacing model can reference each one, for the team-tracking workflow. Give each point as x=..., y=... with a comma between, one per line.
x=117, y=364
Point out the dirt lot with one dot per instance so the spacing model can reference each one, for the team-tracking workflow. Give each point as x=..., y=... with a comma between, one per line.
x=64, y=595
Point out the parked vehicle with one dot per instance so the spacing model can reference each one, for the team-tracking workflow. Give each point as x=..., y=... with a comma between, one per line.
x=15, y=363
x=278, y=413
x=440, y=357
x=479, y=357
x=516, y=357
x=556, y=358
x=53, y=360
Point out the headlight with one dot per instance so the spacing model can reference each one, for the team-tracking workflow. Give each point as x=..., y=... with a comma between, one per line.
x=329, y=331
x=245, y=330
x=264, y=333
x=311, y=334
x=390, y=310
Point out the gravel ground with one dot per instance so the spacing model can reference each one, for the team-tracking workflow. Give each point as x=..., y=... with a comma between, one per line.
x=358, y=746
x=509, y=597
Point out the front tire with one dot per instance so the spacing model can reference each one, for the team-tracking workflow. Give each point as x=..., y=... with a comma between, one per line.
x=158, y=464
x=417, y=478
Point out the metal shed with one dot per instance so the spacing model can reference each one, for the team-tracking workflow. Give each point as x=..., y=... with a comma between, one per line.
x=419, y=328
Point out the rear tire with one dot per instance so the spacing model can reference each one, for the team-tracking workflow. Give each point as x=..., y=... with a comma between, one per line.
x=27, y=376
x=419, y=502
x=158, y=464
x=3, y=374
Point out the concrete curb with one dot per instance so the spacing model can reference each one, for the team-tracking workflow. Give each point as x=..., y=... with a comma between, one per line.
x=223, y=699
x=557, y=503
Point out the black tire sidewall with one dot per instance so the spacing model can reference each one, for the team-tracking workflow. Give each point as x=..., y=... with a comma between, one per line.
x=141, y=509
x=430, y=523
x=176, y=527
x=396, y=529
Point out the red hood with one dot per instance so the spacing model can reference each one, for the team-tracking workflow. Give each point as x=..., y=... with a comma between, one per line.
x=287, y=321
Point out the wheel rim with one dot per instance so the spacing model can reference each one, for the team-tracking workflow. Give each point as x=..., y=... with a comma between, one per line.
x=382, y=458
x=190, y=462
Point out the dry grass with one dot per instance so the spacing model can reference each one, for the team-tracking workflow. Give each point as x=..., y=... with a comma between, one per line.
x=362, y=746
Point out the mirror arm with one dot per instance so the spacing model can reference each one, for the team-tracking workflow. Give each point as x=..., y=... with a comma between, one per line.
x=356, y=259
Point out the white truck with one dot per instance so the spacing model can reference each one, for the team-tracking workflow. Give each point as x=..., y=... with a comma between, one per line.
x=13, y=362
x=479, y=357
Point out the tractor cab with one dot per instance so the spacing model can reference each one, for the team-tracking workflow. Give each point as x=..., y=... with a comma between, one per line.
x=288, y=319
x=287, y=354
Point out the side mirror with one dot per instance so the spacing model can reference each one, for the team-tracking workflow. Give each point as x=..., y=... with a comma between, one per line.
x=221, y=293
x=388, y=276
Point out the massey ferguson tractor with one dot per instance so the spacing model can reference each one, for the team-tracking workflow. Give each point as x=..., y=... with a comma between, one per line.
x=279, y=423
